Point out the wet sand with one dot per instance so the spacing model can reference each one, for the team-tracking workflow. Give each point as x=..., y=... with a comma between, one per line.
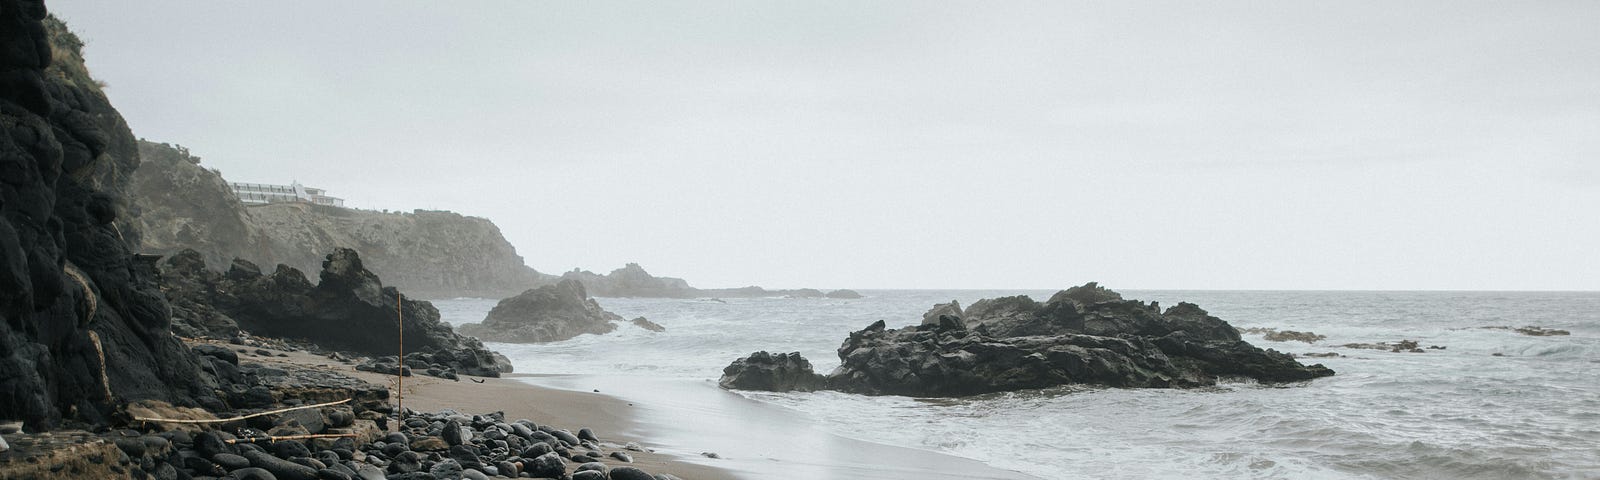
x=609, y=417
x=679, y=419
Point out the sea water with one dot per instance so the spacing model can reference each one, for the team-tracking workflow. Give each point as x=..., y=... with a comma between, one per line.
x=1532, y=411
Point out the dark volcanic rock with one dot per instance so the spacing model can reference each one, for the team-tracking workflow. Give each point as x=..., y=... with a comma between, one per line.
x=1082, y=335
x=772, y=372
x=551, y=313
x=931, y=317
x=83, y=326
x=349, y=309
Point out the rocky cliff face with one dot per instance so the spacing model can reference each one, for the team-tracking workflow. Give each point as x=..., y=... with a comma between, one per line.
x=181, y=205
x=83, y=327
x=436, y=254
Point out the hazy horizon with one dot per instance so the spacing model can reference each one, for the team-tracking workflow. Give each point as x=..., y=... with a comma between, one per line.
x=894, y=145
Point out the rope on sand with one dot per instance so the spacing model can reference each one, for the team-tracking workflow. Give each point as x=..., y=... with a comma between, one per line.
x=253, y=415
x=270, y=438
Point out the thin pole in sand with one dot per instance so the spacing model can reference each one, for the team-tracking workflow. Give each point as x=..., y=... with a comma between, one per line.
x=400, y=372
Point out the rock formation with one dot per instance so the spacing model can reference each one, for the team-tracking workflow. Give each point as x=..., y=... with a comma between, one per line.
x=775, y=372
x=1082, y=335
x=633, y=281
x=428, y=253
x=551, y=313
x=83, y=327
x=348, y=309
x=844, y=294
x=646, y=324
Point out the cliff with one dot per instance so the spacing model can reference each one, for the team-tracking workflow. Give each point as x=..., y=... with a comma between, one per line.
x=431, y=254
x=83, y=327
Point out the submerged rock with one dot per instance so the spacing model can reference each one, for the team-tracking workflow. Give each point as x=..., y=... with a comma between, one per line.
x=781, y=372
x=1293, y=336
x=646, y=324
x=551, y=313
x=1082, y=335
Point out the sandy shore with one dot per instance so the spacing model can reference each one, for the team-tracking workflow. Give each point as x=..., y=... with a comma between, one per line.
x=679, y=420
x=609, y=417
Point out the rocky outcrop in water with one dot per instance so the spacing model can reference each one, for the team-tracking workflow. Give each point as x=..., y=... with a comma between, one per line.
x=774, y=372
x=348, y=309
x=183, y=205
x=83, y=326
x=845, y=294
x=646, y=324
x=1082, y=335
x=633, y=281
x=1275, y=335
x=551, y=313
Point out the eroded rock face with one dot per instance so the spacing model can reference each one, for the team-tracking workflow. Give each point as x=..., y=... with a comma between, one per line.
x=776, y=372
x=431, y=254
x=83, y=326
x=551, y=313
x=348, y=309
x=1082, y=335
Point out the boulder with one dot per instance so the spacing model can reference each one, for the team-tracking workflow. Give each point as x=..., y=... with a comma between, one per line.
x=551, y=313
x=780, y=372
x=931, y=317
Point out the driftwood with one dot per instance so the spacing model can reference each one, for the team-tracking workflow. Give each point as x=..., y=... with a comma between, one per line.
x=253, y=415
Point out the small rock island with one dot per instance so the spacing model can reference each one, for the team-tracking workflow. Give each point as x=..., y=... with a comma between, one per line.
x=1083, y=335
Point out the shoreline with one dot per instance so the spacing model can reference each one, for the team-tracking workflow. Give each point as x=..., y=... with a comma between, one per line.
x=607, y=416
x=678, y=420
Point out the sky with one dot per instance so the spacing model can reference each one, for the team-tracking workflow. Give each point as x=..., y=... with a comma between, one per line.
x=1365, y=145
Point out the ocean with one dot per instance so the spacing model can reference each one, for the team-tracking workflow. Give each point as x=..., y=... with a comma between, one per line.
x=1532, y=411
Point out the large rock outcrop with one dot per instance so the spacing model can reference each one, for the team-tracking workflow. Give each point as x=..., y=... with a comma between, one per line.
x=551, y=313
x=83, y=326
x=348, y=309
x=1082, y=335
x=438, y=254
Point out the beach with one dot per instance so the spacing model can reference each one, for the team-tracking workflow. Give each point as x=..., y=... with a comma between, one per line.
x=755, y=440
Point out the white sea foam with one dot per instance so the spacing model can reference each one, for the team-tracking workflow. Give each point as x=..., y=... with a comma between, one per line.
x=1454, y=413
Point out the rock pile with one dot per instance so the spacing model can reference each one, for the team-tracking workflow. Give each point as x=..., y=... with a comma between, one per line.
x=444, y=445
x=348, y=310
x=551, y=313
x=1082, y=335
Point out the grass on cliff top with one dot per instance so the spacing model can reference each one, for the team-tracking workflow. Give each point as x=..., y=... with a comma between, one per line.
x=66, y=51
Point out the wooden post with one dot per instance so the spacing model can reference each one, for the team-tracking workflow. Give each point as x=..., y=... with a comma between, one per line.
x=400, y=373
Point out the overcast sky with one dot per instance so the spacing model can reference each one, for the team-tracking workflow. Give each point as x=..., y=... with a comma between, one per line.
x=1262, y=145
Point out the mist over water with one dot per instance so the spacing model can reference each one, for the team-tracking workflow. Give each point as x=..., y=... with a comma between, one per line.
x=1454, y=413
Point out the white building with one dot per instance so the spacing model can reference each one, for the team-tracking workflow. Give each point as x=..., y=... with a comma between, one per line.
x=262, y=194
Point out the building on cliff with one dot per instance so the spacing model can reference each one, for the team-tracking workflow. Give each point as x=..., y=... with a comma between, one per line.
x=262, y=194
